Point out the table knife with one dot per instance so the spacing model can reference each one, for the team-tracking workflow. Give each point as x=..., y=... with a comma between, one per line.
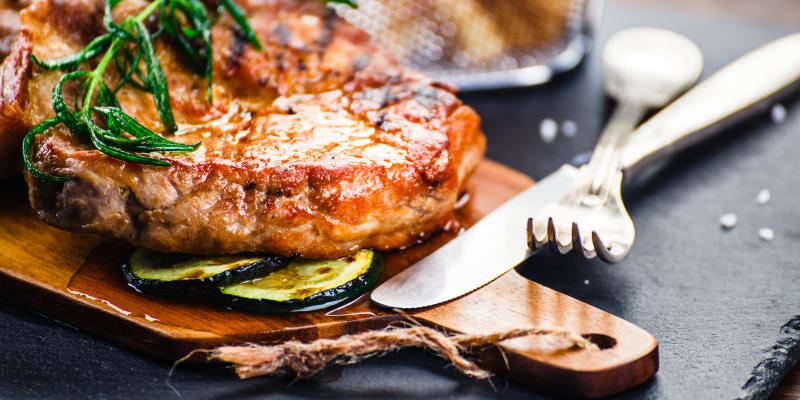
x=498, y=243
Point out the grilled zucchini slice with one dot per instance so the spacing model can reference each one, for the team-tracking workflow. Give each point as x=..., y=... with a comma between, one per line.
x=169, y=274
x=306, y=285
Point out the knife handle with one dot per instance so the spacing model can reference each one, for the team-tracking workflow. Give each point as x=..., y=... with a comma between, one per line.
x=744, y=87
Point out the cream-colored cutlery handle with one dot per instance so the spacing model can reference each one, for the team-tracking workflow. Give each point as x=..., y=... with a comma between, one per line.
x=743, y=87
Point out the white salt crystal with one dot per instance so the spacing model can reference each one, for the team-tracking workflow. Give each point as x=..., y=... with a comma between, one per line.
x=728, y=221
x=763, y=196
x=766, y=234
x=778, y=113
x=569, y=128
x=548, y=129
x=585, y=281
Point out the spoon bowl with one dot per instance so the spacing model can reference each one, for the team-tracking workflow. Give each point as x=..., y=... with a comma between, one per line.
x=650, y=66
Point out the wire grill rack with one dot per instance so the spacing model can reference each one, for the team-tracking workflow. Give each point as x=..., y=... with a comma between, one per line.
x=481, y=44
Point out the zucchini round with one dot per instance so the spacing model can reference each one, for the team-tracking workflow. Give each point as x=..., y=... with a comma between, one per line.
x=169, y=274
x=306, y=285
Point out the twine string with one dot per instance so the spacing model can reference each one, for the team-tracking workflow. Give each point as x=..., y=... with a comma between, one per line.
x=307, y=359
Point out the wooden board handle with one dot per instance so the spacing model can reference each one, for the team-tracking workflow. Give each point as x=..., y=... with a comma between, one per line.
x=628, y=355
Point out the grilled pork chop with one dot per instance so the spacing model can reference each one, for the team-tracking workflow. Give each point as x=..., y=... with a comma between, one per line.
x=317, y=146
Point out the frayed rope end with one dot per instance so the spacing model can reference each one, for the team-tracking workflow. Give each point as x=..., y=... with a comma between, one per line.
x=306, y=359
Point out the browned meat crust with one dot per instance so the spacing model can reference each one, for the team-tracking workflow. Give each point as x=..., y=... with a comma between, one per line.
x=9, y=26
x=13, y=97
x=11, y=75
x=317, y=146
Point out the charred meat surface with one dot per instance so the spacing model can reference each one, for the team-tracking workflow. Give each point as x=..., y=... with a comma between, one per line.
x=317, y=146
x=9, y=24
x=9, y=85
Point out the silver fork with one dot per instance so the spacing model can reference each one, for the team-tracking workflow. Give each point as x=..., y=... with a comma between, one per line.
x=644, y=68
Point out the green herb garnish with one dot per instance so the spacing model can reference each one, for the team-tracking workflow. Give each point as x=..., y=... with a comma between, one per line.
x=96, y=115
x=350, y=3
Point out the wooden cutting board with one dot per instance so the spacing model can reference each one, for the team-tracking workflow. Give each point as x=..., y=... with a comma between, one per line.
x=75, y=278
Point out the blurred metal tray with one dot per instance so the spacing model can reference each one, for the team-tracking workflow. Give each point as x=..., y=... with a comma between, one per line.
x=482, y=44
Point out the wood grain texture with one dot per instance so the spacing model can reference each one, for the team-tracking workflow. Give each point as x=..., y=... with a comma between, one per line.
x=76, y=279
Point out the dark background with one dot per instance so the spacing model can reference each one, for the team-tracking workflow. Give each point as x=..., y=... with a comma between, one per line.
x=724, y=305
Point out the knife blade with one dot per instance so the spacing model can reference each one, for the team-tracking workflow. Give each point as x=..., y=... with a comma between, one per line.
x=490, y=248
x=497, y=243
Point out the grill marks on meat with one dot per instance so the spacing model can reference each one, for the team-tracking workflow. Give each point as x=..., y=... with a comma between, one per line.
x=239, y=44
x=317, y=146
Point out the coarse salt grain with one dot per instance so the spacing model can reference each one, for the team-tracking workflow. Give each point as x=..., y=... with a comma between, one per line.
x=569, y=128
x=728, y=221
x=778, y=113
x=763, y=196
x=548, y=129
x=766, y=234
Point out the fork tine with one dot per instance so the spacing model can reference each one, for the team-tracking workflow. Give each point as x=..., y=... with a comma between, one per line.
x=551, y=236
x=535, y=242
x=603, y=252
x=531, y=236
x=555, y=245
x=577, y=243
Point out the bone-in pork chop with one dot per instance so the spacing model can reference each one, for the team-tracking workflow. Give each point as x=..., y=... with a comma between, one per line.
x=317, y=146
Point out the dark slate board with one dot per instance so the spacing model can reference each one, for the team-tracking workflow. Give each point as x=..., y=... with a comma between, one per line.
x=724, y=305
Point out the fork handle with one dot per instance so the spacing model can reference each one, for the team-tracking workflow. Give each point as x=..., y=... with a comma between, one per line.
x=604, y=164
x=744, y=87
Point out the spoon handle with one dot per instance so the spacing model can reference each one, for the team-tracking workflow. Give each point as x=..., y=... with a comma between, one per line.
x=742, y=88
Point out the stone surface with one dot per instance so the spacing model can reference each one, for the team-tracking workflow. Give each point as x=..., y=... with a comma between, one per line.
x=724, y=305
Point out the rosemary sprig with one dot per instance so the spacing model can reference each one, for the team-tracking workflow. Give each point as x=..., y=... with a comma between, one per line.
x=350, y=3
x=126, y=45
